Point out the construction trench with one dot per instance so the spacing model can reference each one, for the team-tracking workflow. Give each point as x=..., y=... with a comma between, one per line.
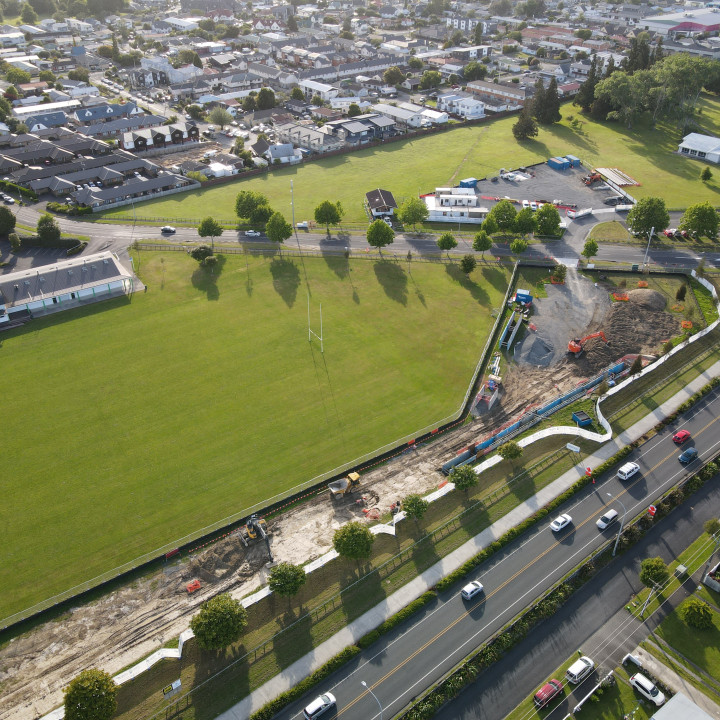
x=127, y=624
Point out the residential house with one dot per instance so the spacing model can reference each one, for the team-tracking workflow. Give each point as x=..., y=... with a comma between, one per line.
x=380, y=203
x=308, y=137
x=283, y=154
x=43, y=121
x=401, y=116
x=106, y=112
x=160, y=136
x=702, y=147
x=312, y=88
x=512, y=96
x=464, y=106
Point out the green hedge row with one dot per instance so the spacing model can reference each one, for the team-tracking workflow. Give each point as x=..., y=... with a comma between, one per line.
x=77, y=249
x=35, y=241
x=63, y=209
x=275, y=706
x=392, y=622
x=25, y=192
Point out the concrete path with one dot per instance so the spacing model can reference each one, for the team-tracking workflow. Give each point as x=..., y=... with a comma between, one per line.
x=372, y=618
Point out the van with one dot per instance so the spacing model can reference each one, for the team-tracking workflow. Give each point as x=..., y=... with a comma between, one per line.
x=628, y=470
x=210, y=153
x=579, y=670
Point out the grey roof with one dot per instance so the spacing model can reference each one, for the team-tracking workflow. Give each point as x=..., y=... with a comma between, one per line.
x=680, y=706
x=702, y=143
x=355, y=127
x=46, y=281
x=380, y=199
x=103, y=112
x=124, y=124
x=132, y=188
x=51, y=119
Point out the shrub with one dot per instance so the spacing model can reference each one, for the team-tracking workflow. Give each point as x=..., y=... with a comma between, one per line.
x=696, y=614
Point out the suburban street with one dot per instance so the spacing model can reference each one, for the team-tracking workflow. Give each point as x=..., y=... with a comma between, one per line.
x=405, y=662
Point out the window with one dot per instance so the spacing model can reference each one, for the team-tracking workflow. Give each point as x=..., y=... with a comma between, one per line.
x=701, y=154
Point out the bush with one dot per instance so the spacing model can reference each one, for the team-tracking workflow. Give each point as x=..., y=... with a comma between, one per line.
x=696, y=614
x=681, y=292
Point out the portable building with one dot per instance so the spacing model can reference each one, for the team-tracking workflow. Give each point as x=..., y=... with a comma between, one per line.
x=468, y=183
x=558, y=163
x=574, y=161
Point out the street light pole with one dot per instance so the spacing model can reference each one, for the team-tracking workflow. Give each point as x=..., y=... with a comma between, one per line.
x=622, y=522
x=647, y=249
x=365, y=685
x=292, y=207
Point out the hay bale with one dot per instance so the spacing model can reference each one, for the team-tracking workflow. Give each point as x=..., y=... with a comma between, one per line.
x=650, y=299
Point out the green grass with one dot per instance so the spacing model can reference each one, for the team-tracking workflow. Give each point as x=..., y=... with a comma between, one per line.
x=612, y=231
x=410, y=167
x=145, y=420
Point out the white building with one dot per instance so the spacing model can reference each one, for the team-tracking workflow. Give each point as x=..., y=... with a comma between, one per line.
x=402, y=116
x=702, y=147
x=312, y=88
x=182, y=24
x=466, y=107
x=455, y=205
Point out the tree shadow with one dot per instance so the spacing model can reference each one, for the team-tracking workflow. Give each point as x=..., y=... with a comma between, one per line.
x=339, y=264
x=478, y=292
x=286, y=279
x=205, y=279
x=294, y=640
x=496, y=278
x=393, y=280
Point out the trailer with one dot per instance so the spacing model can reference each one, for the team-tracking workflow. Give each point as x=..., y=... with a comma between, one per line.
x=576, y=214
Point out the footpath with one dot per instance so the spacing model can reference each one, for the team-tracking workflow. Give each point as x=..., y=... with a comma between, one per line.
x=367, y=622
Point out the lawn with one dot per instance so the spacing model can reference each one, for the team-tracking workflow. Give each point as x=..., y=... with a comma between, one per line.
x=410, y=167
x=612, y=231
x=138, y=422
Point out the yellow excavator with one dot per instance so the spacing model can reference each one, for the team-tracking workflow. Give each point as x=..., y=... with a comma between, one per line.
x=340, y=488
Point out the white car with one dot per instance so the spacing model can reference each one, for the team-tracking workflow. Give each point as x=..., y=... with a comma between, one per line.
x=647, y=689
x=319, y=706
x=302, y=225
x=471, y=590
x=607, y=519
x=628, y=470
x=252, y=233
x=167, y=230
x=560, y=523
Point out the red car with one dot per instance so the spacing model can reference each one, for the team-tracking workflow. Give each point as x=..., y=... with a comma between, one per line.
x=547, y=692
x=681, y=436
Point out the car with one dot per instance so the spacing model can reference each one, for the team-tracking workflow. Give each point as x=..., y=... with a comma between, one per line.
x=681, y=436
x=319, y=706
x=525, y=204
x=387, y=221
x=582, y=667
x=252, y=233
x=302, y=225
x=8, y=200
x=167, y=230
x=614, y=200
x=560, y=523
x=688, y=455
x=670, y=232
x=607, y=519
x=533, y=206
x=628, y=470
x=547, y=692
x=647, y=689
x=471, y=590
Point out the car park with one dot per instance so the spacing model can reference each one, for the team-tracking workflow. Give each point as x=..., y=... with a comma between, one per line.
x=681, y=436
x=560, y=523
x=319, y=706
x=579, y=670
x=688, y=455
x=167, y=230
x=252, y=233
x=628, y=470
x=547, y=692
x=647, y=689
x=606, y=520
x=471, y=590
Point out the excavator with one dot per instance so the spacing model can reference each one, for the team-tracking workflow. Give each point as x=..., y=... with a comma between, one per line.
x=254, y=531
x=339, y=488
x=576, y=346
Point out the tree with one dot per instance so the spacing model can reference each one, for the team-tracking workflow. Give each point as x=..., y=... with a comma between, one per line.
x=412, y=211
x=701, y=220
x=317, y=100
x=91, y=695
x=468, y=264
x=246, y=201
x=354, y=110
x=15, y=242
x=48, y=229
x=636, y=367
x=510, y=451
x=490, y=225
x=219, y=623
x=16, y=76
x=538, y=101
x=292, y=24
x=525, y=221
x=518, y=246
x=209, y=227
x=260, y=215
x=201, y=253
x=548, y=220
x=697, y=614
x=586, y=93
x=430, y=79
x=7, y=220
x=525, y=127
x=504, y=214
x=712, y=526
x=706, y=174
x=626, y=94
x=590, y=249
x=249, y=104
x=328, y=213
x=277, y=228
x=653, y=571
x=380, y=234
x=353, y=541
x=195, y=112
x=583, y=34
x=482, y=242
x=286, y=579
x=474, y=70
x=415, y=63
x=297, y=94
x=648, y=213
x=81, y=75
x=551, y=111
x=463, y=478
x=393, y=75
x=478, y=36
x=415, y=507
x=265, y=99
x=28, y=15
x=220, y=116
x=447, y=242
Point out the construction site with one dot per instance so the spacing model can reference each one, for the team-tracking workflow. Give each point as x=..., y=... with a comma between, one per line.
x=563, y=333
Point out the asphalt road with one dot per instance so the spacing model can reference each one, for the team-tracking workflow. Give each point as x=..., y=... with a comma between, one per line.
x=406, y=662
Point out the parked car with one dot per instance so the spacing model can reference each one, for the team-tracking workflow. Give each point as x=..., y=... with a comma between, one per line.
x=252, y=233
x=647, y=689
x=688, y=455
x=471, y=590
x=167, y=230
x=302, y=225
x=560, y=523
x=319, y=706
x=607, y=519
x=580, y=669
x=8, y=200
x=614, y=200
x=547, y=692
x=681, y=436
x=628, y=470
x=669, y=232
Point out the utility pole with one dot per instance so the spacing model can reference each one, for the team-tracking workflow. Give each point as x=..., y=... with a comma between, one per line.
x=647, y=249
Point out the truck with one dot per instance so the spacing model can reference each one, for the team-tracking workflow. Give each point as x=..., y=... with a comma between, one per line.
x=576, y=214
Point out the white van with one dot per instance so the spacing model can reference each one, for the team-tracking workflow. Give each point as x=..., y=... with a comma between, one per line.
x=628, y=470
x=580, y=669
x=210, y=153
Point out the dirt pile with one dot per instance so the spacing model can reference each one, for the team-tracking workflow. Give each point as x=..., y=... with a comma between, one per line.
x=649, y=299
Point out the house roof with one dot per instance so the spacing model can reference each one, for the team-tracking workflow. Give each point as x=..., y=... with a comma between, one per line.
x=701, y=143
x=380, y=199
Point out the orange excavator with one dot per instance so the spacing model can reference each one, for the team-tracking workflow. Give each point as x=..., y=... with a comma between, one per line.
x=576, y=346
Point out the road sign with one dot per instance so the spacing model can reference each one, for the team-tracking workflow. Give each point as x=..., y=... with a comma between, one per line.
x=572, y=448
x=588, y=471
x=652, y=510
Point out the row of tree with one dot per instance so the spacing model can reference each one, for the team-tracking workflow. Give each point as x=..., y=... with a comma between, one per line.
x=699, y=220
x=544, y=108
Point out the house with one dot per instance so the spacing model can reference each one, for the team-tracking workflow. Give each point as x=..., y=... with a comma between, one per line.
x=312, y=88
x=464, y=106
x=512, y=96
x=412, y=84
x=182, y=24
x=76, y=88
x=106, y=112
x=403, y=117
x=455, y=205
x=381, y=203
x=283, y=154
x=702, y=147
x=43, y=121
x=159, y=137
x=308, y=137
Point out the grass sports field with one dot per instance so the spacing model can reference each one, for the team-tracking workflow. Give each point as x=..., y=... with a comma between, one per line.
x=410, y=167
x=137, y=422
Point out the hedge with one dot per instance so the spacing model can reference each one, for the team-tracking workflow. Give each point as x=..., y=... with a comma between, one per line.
x=25, y=192
x=64, y=209
x=63, y=242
